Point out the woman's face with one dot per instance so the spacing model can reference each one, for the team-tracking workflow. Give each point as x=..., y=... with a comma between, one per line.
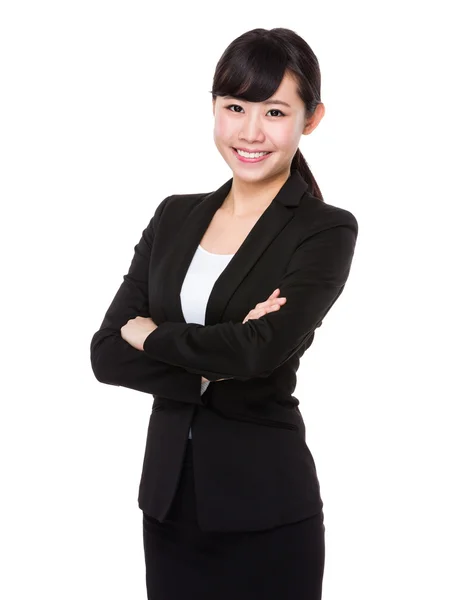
x=260, y=126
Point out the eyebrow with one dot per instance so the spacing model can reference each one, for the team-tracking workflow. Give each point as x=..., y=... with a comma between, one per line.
x=273, y=101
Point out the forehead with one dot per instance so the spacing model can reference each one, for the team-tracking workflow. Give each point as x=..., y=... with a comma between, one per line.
x=285, y=94
x=287, y=87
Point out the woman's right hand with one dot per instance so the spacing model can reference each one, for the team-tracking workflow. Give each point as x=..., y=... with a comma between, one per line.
x=273, y=303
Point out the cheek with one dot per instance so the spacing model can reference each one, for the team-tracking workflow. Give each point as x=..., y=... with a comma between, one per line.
x=222, y=128
x=286, y=137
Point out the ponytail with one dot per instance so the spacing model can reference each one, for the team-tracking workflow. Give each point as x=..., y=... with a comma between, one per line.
x=300, y=163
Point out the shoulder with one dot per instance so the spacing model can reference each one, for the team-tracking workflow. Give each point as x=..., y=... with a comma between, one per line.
x=316, y=216
x=182, y=203
x=176, y=206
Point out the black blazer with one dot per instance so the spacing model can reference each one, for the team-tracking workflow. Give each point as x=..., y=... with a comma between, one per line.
x=253, y=469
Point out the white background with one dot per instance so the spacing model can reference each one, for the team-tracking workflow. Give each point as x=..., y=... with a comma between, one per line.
x=106, y=110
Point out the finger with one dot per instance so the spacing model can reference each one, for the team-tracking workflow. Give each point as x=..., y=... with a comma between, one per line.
x=270, y=302
x=268, y=309
x=274, y=295
x=260, y=312
x=263, y=308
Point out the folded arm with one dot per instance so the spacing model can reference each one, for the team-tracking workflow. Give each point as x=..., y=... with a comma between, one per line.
x=114, y=361
x=314, y=279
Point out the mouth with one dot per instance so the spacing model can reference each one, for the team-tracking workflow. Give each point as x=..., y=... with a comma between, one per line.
x=246, y=159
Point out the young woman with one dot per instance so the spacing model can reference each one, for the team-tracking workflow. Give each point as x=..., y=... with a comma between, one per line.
x=222, y=299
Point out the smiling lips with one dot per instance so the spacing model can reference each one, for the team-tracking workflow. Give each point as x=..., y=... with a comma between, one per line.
x=249, y=159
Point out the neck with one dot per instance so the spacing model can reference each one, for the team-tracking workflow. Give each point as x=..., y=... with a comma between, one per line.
x=246, y=198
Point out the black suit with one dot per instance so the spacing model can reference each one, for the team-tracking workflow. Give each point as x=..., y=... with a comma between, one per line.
x=253, y=469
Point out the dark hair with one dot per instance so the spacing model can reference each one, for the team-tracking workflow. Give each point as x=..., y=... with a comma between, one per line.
x=253, y=66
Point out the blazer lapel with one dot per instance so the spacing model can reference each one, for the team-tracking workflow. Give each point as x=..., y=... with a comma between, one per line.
x=265, y=230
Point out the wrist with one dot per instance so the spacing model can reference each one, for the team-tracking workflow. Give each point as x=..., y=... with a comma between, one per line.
x=147, y=335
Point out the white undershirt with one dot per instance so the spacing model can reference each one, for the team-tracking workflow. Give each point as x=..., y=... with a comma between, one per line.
x=202, y=273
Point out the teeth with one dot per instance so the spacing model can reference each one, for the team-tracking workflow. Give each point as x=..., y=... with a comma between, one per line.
x=250, y=155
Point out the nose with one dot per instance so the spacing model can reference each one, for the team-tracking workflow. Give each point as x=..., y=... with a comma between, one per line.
x=251, y=130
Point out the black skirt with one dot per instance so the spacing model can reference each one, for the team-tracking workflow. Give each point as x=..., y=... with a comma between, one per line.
x=183, y=562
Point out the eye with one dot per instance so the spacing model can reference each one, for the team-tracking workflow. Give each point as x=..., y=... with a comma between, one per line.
x=277, y=110
x=237, y=106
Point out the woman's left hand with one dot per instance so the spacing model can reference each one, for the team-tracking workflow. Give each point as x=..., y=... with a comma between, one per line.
x=136, y=330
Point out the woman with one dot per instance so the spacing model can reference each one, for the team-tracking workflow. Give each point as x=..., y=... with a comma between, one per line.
x=222, y=298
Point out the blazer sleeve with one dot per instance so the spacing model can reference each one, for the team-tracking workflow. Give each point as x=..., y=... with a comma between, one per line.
x=314, y=279
x=114, y=361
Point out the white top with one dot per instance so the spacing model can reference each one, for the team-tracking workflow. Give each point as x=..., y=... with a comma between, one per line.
x=203, y=272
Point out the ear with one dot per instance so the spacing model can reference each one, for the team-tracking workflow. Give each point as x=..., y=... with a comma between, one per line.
x=213, y=106
x=312, y=122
